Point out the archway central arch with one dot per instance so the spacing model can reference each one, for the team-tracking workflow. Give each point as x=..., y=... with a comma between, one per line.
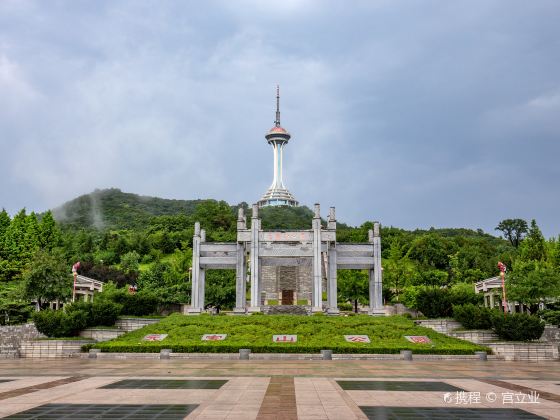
x=257, y=249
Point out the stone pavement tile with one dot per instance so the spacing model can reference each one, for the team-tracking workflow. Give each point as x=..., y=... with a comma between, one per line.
x=548, y=413
x=549, y=386
x=138, y=396
x=23, y=382
x=7, y=408
x=236, y=398
x=340, y=413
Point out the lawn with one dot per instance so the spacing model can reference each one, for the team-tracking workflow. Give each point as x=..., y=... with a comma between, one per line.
x=314, y=334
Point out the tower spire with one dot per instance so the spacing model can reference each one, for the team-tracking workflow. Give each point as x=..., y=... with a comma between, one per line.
x=277, y=122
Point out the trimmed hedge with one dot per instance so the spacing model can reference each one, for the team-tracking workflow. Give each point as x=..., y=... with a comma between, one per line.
x=473, y=317
x=75, y=317
x=438, y=303
x=60, y=323
x=314, y=333
x=517, y=327
x=550, y=316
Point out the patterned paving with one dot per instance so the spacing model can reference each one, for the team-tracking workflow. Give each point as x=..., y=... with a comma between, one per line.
x=165, y=384
x=390, y=413
x=514, y=387
x=255, y=389
x=35, y=388
x=279, y=400
x=397, y=386
x=106, y=411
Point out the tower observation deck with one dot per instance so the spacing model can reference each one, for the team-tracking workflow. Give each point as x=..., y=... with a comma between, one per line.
x=278, y=137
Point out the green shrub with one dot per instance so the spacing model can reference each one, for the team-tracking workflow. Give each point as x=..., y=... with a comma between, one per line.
x=12, y=313
x=550, y=316
x=79, y=306
x=104, y=313
x=473, y=317
x=517, y=327
x=138, y=304
x=60, y=323
x=463, y=293
x=345, y=306
x=434, y=303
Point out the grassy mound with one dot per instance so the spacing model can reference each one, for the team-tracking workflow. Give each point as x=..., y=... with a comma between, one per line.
x=314, y=334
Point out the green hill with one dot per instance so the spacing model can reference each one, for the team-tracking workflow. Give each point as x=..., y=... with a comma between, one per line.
x=114, y=209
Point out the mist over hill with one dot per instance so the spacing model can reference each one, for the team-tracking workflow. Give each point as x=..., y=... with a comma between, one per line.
x=113, y=209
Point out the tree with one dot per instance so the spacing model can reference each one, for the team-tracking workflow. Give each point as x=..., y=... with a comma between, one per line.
x=4, y=224
x=130, y=262
x=534, y=245
x=432, y=278
x=432, y=250
x=220, y=289
x=398, y=269
x=555, y=257
x=46, y=278
x=353, y=286
x=529, y=282
x=49, y=234
x=14, y=237
x=513, y=230
x=31, y=243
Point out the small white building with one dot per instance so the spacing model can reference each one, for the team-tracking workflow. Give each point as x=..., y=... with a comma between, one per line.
x=85, y=289
x=492, y=289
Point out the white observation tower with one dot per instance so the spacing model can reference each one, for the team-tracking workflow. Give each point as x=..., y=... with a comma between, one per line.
x=277, y=194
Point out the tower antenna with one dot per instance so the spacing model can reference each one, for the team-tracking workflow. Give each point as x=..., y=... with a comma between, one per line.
x=277, y=122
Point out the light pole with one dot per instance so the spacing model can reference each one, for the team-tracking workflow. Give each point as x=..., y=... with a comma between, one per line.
x=502, y=267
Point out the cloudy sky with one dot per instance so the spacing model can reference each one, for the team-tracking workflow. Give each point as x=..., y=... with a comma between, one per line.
x=414, y=113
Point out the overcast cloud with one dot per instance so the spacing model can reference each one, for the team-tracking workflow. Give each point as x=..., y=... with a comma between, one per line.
x=414, y=113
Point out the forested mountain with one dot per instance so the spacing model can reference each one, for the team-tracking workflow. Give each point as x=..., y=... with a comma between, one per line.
x=130, y=239
x=114, y=209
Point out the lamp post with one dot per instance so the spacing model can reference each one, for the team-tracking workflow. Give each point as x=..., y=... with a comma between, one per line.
x=502, y=267
x=75, y=268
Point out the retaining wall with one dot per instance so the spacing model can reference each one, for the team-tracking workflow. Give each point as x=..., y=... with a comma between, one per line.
x=529, y=352
x=475, y=336
x=51, y=348
x=444, y=326
x=551, y=334
x=131, y=324
x=105, y=334
x=11, y=337
x=287, y=356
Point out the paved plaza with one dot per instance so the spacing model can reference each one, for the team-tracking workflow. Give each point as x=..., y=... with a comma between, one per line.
x=256, y=389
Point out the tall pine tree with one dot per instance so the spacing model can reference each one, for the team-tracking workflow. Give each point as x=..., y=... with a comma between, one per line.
x=49, y=234
x=533, y=248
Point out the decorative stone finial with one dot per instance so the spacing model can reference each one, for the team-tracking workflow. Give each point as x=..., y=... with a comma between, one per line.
x=376, y=229
x=370, y=235
x=332, y=216
x=317, y=211
x=196, y=229
x=202, y=235
x=255, y=211
x=240, y=214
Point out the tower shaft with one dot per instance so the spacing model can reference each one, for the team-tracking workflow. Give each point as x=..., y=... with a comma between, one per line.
x=277, y=137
